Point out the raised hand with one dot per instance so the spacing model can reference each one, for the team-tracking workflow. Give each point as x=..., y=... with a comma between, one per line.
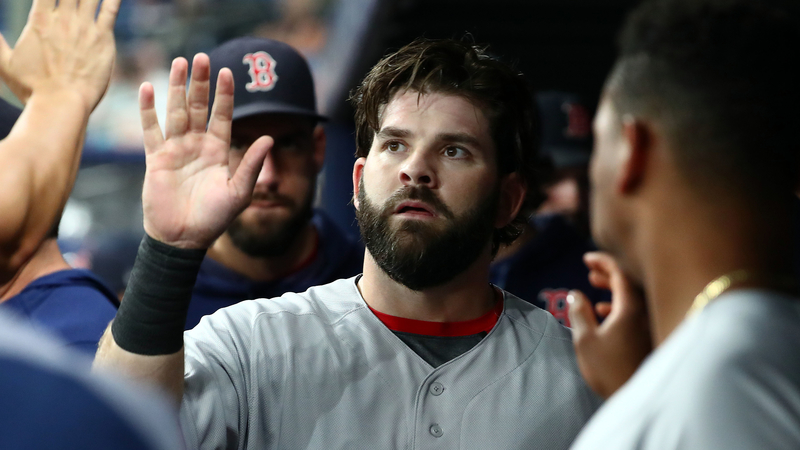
x=190, y=195
x=609, y=353
x=62, y=49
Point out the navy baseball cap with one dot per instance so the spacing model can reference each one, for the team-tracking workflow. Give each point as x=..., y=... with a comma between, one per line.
x=8, y=117
x=566, y=128
x=269, y=77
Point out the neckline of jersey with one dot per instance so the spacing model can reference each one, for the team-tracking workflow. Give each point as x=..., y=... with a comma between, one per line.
x=482, y=324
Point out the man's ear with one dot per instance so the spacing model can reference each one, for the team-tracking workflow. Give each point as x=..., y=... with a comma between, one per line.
x=512, y=195
x=320, y=140
x=358, y=172
x=639, y=140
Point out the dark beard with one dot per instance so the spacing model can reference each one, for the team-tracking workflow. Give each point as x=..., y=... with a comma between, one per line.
x=417, y=255
x=278, y=240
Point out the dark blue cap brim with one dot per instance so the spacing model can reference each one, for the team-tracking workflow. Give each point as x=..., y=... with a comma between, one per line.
x=256, y=108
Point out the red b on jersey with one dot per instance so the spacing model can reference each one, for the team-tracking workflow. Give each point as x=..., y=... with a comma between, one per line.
x=262, y=71
x=555, y=301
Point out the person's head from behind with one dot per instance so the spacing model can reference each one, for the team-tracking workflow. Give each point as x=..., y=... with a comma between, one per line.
x=711, y=82
x=446, y=139
x=274, y=96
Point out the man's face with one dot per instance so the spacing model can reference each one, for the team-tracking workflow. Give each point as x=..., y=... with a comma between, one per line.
x=606, y=216
x=284, y=191
x=428, y=193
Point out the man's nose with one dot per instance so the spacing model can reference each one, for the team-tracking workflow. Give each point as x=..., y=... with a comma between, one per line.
x=417, y=169
x=269, y=176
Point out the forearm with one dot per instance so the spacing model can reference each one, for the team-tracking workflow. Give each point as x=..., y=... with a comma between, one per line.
x=145, y=341
x=165, y=371
x=40, y=160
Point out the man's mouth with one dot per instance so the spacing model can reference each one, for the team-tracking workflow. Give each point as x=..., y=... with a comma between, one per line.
x=414, y=209
x=269, y=202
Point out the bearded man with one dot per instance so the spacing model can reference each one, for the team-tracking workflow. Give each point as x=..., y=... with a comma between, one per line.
x=419, y=351
x=279, y=243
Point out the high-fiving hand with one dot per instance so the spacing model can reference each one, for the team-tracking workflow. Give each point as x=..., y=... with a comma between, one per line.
x=190, y=196
x=609, y=353
x=62, y=49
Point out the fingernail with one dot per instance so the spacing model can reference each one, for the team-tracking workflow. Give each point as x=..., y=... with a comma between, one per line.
x=570, y=298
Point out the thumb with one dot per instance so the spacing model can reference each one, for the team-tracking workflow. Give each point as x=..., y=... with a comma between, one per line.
x=244, y=179
x=581, y=315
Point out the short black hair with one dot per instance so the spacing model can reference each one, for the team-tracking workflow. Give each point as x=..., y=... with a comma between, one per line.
x=719, y=76
x=459, y=67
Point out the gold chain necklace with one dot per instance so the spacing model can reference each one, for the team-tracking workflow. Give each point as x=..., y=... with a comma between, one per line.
x=723, y=283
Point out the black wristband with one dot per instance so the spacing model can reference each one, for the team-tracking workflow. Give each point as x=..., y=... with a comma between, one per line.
x=152, y=315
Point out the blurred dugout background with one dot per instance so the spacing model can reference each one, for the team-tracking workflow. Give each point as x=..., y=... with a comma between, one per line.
x=559, y=44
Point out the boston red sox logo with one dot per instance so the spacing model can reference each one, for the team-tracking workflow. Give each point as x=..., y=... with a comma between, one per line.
x=262, y=71
x=555, y=302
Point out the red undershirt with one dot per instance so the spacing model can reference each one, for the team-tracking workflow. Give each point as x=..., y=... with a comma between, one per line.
x=482, y=324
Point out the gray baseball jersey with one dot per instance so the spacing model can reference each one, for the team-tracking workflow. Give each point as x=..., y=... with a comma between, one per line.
x=728, y=378
x=319, y=370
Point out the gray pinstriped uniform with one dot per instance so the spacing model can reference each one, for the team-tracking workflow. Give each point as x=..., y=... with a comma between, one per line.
x=319, y=370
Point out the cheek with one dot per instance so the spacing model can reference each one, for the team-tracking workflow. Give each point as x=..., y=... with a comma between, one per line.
x=607, y=215
x=376, y=181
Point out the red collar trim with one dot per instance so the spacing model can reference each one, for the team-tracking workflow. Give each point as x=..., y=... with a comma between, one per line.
x=482, y=324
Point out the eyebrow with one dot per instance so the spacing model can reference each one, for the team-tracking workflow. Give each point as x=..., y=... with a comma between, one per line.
x=393, y=132
x=455, y=138
x=459, y=138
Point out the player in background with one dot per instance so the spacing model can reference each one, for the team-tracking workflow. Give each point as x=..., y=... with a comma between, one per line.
x=420, y=350
x=74, y=304
x=546, y=262
x=40, y=162
x=59, y=67
x=279, y=243
x=693, y=181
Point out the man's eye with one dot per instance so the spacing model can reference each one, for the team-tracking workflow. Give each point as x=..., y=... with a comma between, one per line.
x=395, y=146
x=455, y=152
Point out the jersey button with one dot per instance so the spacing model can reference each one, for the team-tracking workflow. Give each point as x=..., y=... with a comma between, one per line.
x=436, y=388
x=436, y=430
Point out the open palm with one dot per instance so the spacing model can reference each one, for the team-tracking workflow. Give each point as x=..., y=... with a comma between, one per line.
x=62, y=47
x=190, y=196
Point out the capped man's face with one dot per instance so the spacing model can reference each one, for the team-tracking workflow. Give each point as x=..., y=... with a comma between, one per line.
x=427, y=195
x=284, y=193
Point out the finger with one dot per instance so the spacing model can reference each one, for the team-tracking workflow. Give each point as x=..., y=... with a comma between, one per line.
x=177, y=119
x=599, y=260
x=599, y=279
x=603, y=309
x=222, y=110
x=153, y=139
x=40, y=6
x=581, y=316
x=88, y=8
x=602, y=267
x=5, y=54
x=197, y=99
x=108, y=14
x=244, y=179
x=67, y=5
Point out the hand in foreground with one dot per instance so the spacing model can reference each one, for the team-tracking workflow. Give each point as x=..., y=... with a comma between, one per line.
x=609, y=353
x=62, y=49
x=190, y=195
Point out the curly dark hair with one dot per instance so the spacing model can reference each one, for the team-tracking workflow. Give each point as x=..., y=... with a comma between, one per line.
x=459, y=68
x=719, y=77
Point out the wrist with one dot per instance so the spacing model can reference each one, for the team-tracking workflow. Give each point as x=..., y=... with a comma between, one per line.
x=59, y=98
x=182, y=244
x=152, y=316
